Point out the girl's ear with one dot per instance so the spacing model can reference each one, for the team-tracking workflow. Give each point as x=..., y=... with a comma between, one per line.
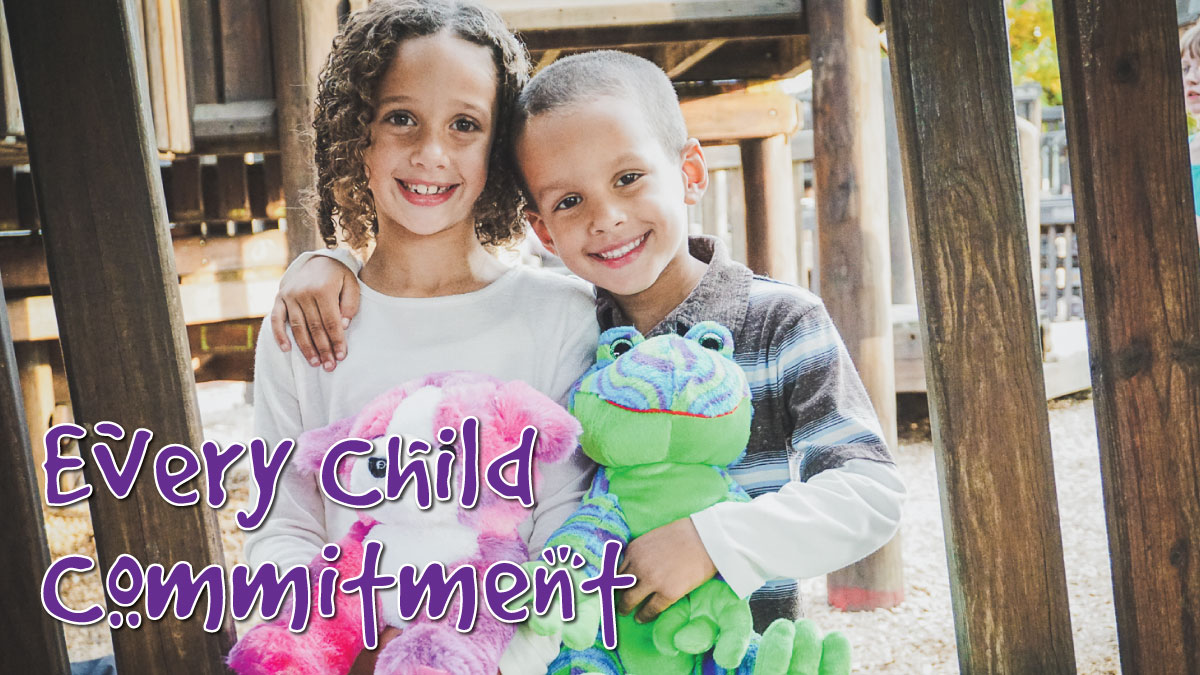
x=540, y=229
x=695, y=172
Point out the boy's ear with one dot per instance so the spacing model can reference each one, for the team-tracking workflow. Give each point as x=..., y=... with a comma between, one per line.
x=695, y=172
x=539, y=228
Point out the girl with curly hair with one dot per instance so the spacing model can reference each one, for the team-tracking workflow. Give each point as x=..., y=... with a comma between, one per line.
x=411, y=162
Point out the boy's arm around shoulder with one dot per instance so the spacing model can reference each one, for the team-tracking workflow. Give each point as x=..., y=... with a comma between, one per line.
x=845, y=501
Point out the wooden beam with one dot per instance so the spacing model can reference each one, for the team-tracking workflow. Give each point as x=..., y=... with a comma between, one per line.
x=35, y=640
x=302, y=32
x=10, y=105
x=1141, y=277
x=232, y=194
x=991, y=433
x=106, y=231
x=740, y=115
x=759, y=59
x=549, y=56
x=678, y=57
x=612, y=37
x=523, y=15
x=770, y=208
x=850, y=181
x=245, y=43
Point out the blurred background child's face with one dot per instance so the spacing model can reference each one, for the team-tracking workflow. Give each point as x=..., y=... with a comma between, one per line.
x=1191, y=84
x=431, y=136
x=610, y=200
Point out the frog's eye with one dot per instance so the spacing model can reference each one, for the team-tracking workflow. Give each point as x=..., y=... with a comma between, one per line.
x=620, y=346
x=377, y=466
x=711, y=341
x=446, y=447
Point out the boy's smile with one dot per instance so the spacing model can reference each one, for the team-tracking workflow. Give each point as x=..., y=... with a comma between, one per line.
x=611, y=201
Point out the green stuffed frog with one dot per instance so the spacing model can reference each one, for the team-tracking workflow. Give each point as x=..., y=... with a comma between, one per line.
x=664, y=417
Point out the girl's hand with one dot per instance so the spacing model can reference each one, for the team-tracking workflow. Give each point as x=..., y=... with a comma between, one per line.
x=318, y=301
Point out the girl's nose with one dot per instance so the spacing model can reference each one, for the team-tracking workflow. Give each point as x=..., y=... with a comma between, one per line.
x=430, y=152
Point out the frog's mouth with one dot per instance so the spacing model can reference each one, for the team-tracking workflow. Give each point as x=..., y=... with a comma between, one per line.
x=660, y=411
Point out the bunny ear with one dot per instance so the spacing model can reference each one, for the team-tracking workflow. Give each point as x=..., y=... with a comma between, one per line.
x=558, y=431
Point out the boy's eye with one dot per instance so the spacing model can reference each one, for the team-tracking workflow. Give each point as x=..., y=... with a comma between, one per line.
x=567, y=203
x=464, y=124
x=628, y=178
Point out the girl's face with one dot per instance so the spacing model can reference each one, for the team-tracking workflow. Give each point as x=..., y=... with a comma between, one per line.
x=431, y=136
x=1191, y=83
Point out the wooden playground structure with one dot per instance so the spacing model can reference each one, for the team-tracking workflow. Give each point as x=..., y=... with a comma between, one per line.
x=159, y=211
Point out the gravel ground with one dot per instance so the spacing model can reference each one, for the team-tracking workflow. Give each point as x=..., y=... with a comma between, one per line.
x=919, y=633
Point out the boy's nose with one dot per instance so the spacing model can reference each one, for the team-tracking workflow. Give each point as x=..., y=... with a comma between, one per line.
x=606, y=216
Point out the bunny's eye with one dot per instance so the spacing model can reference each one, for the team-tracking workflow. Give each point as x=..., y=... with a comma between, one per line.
x=377, y=466
x=620, y=346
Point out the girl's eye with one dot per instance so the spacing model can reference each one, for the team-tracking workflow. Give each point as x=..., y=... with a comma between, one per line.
x=402, y=119
x=628, y=178
x=465, y=125
x=567, y=203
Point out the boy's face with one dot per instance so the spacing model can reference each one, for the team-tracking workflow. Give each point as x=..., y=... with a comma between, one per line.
x=1191, y=83
x=609, y=199
x=428, y=158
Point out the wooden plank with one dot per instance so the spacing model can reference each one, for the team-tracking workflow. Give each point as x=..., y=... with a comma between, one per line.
x=185, y=200
x=244, y=126
x=760, y=59
x=303, y=32
x=148, y=27
x=740, y=115
x=27, y=209
x=547, y=57
x=1141, y=273
x=201, y=55
x=852, y=233
x=232, y=198
x=991, y=434
x=678, y=57
x=273, y=175
x=195, y=255
x=35, y=640
x=10, y=105
x=37, y=393
x=611, y=37
x=126, y=357
x=521, y=15
x=770, y=218
x=245, y=45
x=179, y=112
x=9, y=216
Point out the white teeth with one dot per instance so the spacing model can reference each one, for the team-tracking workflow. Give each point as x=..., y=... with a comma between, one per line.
x=617, y=253
x=426, y=189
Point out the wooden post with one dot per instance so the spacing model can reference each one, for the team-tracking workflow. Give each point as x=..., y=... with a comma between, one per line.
x=126, y=351
x=33, y=640
x=37, y=388
x=770, y=207
x=301, y=34
x=850, y=177
x=991, y=433
x=1141, y=274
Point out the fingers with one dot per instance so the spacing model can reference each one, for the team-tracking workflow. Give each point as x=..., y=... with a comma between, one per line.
x=349, y=298
x=656, y=604
x=279, y=316
x=315, y=325
x=332, y=330
x=299, y=324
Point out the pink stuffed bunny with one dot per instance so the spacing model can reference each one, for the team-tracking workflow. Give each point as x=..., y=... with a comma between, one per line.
x=445, y=532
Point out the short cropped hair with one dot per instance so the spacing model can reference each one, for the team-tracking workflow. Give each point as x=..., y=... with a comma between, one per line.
x=1189, y=42
x=592, y=75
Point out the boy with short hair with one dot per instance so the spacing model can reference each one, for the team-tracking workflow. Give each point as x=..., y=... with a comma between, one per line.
x=609, y=171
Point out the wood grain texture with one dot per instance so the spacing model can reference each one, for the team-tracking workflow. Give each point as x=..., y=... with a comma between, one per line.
x=770, y=213
x=245, y=43
x=115, y=293
x=850, y=181
x=954, y=107
x=303, y=31
x=33, y=640
x=1141, y=278
x=735, y=116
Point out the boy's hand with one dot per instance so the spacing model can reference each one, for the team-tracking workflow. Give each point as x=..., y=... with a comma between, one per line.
x=318, y=301
x=669, y=562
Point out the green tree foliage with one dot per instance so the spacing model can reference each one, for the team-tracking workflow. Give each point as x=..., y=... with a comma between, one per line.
x=1034, y=50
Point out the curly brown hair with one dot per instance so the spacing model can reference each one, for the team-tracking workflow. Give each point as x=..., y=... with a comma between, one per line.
x=345, y=107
